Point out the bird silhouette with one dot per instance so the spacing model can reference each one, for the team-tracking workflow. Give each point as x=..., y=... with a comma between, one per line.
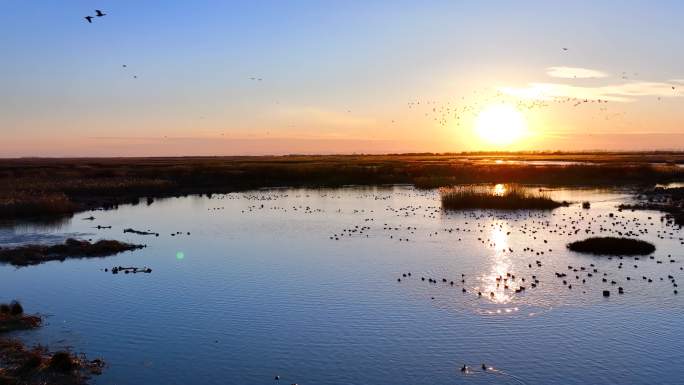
x=99, y=13
x=89, y=18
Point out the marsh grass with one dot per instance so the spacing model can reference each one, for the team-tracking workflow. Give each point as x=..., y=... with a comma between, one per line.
x=12, y=318
x=32, y=204
x=38, y=366
x=49, y=188
x=21, y=364
x=27, y=255
x=496, y=198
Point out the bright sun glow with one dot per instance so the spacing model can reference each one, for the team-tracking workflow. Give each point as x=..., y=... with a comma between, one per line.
x=500, y=125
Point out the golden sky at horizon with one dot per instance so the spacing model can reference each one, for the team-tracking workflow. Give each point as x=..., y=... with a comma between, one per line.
x=348, y=77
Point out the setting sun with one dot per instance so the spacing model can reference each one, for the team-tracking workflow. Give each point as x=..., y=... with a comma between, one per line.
x=500, y=124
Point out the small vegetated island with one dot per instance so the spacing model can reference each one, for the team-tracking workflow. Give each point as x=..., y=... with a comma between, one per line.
x=612, y=246
x=72, y=248
x=499, y=197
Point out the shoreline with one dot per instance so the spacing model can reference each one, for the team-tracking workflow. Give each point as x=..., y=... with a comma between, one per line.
x=48, y=189
x=35, y=365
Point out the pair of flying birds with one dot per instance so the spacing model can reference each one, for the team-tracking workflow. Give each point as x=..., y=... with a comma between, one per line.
x=98, y=13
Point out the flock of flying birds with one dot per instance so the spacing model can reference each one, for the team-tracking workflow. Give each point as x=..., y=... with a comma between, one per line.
x=98, y=13
x=454, y=113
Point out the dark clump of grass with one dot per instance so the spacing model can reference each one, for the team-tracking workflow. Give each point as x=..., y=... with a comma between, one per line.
x=20, y=364
x=612, y=246
x=16, y=309
x=12, y=318
x=33, y=360
x=510, y=198
x=62, y=362
x=72, y=248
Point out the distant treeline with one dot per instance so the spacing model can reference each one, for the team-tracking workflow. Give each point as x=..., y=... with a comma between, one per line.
x=52, y=187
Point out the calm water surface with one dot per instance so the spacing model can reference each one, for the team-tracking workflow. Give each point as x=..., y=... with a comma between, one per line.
x=303, y=284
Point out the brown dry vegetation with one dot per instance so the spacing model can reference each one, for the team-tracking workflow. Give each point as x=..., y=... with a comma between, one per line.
x=36, y=365
x=482, y=197
x=26, y=255
x=12, y=318
x=52, y=187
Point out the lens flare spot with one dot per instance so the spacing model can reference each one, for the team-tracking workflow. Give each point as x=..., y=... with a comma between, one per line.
x=180, y=255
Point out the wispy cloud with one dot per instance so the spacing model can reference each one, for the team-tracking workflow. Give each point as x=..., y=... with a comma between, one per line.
x=575, y=73
x=625, y=92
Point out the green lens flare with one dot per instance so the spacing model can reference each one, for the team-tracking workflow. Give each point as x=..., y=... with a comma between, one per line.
x=180, y=255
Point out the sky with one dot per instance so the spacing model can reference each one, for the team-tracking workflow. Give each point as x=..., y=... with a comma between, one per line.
x=317, y=77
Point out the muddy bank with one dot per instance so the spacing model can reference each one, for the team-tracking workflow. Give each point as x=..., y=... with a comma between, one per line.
x=667, y=200
x=37, y=365
x=71, y=249
x=12, y=318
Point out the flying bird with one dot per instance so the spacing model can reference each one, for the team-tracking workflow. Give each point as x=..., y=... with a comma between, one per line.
x=565, y=49
x=89, y=18
x=99, y=13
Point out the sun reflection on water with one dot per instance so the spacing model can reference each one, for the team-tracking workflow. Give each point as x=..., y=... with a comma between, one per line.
x=499, y=283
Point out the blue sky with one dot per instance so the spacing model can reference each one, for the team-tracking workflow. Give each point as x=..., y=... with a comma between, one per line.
x=332, y=71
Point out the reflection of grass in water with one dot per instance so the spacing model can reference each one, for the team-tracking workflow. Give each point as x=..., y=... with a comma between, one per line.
x=510, y=198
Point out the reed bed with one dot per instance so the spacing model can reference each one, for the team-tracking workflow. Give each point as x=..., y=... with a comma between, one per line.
x=32, y=204
x=486, y=197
